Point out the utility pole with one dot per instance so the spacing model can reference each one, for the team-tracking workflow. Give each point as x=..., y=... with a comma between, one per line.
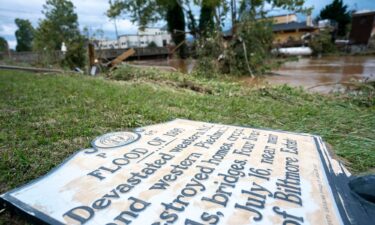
x=117, y=38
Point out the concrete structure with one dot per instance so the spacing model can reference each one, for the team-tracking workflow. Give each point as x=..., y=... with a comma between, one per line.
x=363, y=27
x=143, y=38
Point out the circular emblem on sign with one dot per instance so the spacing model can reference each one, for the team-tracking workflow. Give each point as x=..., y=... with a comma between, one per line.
x=115, y=139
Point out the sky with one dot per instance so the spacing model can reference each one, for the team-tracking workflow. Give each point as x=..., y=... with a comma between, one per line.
x=91, y=13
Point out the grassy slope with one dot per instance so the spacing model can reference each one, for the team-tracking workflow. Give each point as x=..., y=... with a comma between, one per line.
x=45, y=118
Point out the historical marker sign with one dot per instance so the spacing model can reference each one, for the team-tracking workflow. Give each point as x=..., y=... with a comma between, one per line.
x=187, y=172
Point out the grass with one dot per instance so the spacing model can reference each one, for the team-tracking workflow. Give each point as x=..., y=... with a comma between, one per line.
x=45, y=118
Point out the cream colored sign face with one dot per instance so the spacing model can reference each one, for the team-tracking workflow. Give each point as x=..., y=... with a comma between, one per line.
x=187, y=172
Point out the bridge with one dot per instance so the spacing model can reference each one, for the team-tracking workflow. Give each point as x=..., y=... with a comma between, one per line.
x=140, y=53
x=107, y=54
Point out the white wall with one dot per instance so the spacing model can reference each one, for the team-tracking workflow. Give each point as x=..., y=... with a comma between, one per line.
x=141, y=39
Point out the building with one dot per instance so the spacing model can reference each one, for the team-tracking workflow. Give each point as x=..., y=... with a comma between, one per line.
x=363, y=27
x=283, y=19
x=159, y=36
x=288, y=31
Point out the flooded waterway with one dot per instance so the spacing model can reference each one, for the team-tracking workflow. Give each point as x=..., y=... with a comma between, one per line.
x=322, y=75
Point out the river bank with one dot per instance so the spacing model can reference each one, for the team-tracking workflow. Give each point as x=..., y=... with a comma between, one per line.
x=322, y=75
x=46, y=118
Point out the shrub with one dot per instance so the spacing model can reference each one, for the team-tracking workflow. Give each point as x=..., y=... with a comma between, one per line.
x=246, y=53
x=75, y=56
x=322, y=43
x=152, y=44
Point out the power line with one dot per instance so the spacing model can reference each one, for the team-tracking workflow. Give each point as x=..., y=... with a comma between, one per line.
x=18, y=11
x=40, y=12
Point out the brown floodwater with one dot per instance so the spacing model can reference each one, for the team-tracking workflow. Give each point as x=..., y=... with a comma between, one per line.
x=324, y=75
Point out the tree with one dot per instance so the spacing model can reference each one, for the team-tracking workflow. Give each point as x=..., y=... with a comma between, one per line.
x=206, y=18
x=176, y=26
x=24, y=35
x=322, y=44
x=338, y=12
x=248, y=50
x=140, y=11
x=60, y=25
x=148, y=11
x=213, y=15
x=3, y=44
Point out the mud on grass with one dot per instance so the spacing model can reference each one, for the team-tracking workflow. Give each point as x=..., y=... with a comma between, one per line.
x=45, y=118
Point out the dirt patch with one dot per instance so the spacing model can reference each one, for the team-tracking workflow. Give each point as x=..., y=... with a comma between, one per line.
x=184, y=85
x=194, y=87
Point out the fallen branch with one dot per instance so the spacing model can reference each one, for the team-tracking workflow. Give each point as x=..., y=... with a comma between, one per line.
x=179, y=45
x=166, y=68
x=247, y=60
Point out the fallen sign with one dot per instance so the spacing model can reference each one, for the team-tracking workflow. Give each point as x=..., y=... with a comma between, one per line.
x=188, y=172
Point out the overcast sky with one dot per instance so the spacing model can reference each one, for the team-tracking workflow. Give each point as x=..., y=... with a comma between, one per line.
x=91, y=13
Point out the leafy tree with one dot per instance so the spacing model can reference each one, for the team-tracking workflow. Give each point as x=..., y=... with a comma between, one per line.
x=213, y=14
x=176, y=26
x=92, y=35
x=3, y=45
x=24, y=35
x=192, y=23
x=254, y=44
x=148, y=11
x=338, y=12
x=206, y=18
x=60, y=25
x=248, y=50
x=140, y=11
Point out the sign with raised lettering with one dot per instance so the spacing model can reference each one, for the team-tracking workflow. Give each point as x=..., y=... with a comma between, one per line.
x=187, y=172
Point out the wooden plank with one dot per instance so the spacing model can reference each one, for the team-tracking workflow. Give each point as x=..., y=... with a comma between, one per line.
x=122, y=57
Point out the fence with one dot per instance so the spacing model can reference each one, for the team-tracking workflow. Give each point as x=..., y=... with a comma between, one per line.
x=32, y=57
